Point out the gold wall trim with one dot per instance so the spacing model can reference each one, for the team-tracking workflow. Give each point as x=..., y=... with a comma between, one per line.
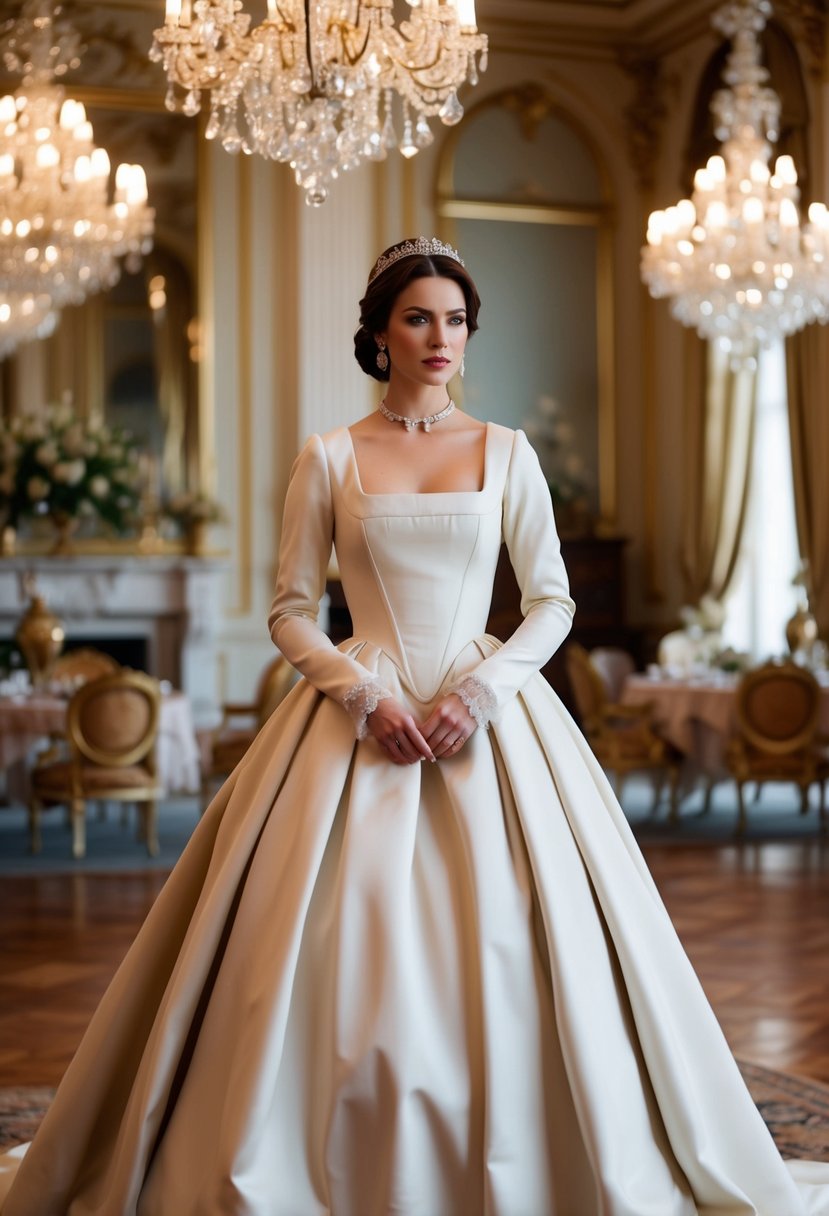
x=521, y=213
x=650, y=454
x=409, y=188
x=606, y=388
x=244, y=436
x=285, y=345
x=205, y=295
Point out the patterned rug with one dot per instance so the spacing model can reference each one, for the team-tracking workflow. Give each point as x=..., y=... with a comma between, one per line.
x=796, y=1111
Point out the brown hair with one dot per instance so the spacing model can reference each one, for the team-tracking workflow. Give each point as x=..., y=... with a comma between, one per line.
x=383, y=290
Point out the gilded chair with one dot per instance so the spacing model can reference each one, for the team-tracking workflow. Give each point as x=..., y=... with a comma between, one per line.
x=776, y=739
x=614, y=665
x=111, y=727
x=230, y=741
x=623, y=737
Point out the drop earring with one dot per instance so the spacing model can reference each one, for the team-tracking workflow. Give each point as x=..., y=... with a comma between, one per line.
x=463, y=363
x=382, y=358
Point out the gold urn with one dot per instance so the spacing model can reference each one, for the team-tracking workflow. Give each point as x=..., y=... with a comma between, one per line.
x=40, y=636
x=801, y=631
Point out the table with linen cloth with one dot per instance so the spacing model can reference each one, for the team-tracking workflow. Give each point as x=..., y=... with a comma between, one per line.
x=698, y=714
x=26, y=721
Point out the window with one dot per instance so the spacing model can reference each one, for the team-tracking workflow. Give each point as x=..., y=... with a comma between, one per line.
x=762, y=597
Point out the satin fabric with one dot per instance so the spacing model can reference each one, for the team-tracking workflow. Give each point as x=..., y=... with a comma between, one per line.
x=447, y=989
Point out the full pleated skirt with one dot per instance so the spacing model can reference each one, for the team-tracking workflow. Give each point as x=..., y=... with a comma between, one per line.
x=449, y=989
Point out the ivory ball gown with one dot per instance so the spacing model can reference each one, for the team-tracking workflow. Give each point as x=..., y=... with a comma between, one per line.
x=447, y=989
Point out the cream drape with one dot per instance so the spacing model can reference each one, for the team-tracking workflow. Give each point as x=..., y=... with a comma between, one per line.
x=807, y=368
x=719, y=438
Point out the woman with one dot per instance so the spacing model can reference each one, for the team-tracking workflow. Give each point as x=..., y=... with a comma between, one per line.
x=411, y=961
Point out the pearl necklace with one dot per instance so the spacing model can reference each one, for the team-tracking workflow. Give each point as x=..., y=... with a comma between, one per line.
x=411, y=423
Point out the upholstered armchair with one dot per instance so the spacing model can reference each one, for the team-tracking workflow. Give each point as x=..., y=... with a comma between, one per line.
x=776, y=739
x=111, y=726
x=623, y=737
x=242, y=721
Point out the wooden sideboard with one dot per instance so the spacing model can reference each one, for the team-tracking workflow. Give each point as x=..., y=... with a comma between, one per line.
x=595, y=566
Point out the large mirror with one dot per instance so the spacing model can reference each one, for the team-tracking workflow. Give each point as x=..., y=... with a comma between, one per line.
x=535, y=223
x=130, y=355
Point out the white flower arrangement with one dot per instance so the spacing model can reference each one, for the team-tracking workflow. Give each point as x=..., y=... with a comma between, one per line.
x=58, y=464
x=708, y=616
x=552, y=435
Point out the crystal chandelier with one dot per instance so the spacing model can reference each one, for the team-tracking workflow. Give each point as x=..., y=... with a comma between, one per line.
x=733, y=259
x=60, y=235
x=317, y=84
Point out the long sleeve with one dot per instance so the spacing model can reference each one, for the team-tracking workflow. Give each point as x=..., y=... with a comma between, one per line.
x=305, y=550
x=529, y=531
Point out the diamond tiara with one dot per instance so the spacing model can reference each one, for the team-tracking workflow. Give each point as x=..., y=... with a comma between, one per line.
x=423, y=246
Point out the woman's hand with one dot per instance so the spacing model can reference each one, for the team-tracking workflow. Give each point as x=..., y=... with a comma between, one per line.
x=448, y=727
x=397, y=733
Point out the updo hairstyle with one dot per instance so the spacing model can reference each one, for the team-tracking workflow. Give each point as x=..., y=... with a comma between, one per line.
x=383, y=290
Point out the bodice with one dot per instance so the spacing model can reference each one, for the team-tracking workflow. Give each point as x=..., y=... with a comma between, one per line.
x=417, y=569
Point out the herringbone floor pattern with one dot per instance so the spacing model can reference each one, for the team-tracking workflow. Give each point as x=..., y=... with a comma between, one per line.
x=754, y=919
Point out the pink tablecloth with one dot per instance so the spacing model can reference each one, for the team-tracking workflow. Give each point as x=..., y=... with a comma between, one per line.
x=697, y=716
x=26, y=721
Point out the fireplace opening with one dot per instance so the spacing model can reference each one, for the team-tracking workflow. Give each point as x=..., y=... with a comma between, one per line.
x=126, y=651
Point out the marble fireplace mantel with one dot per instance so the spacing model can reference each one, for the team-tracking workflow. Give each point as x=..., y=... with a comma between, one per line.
x=171, y=601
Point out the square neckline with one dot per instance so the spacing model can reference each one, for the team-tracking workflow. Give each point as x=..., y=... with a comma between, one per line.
x=422, y=493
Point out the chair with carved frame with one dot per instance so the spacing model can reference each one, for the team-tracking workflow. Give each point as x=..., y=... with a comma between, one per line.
x=111, y=727
x=776, y=739
x=229, y=742
x=623, y=737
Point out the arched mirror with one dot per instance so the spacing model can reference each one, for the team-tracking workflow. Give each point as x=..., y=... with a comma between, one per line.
x=521, y=191
x=129, y=356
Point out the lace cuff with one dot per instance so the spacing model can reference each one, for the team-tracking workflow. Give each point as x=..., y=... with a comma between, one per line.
x=361, y=700
x=478, y=698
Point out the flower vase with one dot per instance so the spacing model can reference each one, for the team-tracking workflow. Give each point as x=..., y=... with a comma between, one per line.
x=40, y=636
x=64, y=525
x=801, y=631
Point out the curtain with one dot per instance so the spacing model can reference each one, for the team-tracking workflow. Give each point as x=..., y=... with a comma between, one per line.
x=807, y=369
x=719, y=439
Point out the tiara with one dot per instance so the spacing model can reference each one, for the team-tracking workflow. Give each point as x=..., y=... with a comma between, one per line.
x=421, y=245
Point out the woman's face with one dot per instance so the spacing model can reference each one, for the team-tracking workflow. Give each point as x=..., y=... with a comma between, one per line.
x=427, y=331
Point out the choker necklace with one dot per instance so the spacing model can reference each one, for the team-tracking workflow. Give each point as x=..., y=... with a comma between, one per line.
x=411, y=423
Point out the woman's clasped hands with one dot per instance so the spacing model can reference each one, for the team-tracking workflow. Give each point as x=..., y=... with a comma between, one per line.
x=405, y=741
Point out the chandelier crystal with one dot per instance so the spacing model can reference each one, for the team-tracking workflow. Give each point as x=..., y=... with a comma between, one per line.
x=60, y=235
x=733, y=259
x=319, y=84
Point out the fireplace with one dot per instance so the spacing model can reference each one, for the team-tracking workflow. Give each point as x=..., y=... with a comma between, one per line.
x=157, y=613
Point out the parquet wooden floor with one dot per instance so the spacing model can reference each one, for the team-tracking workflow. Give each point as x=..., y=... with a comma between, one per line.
x=754, y=919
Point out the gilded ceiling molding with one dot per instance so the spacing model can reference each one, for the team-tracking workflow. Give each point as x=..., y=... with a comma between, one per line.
x=645, y=115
